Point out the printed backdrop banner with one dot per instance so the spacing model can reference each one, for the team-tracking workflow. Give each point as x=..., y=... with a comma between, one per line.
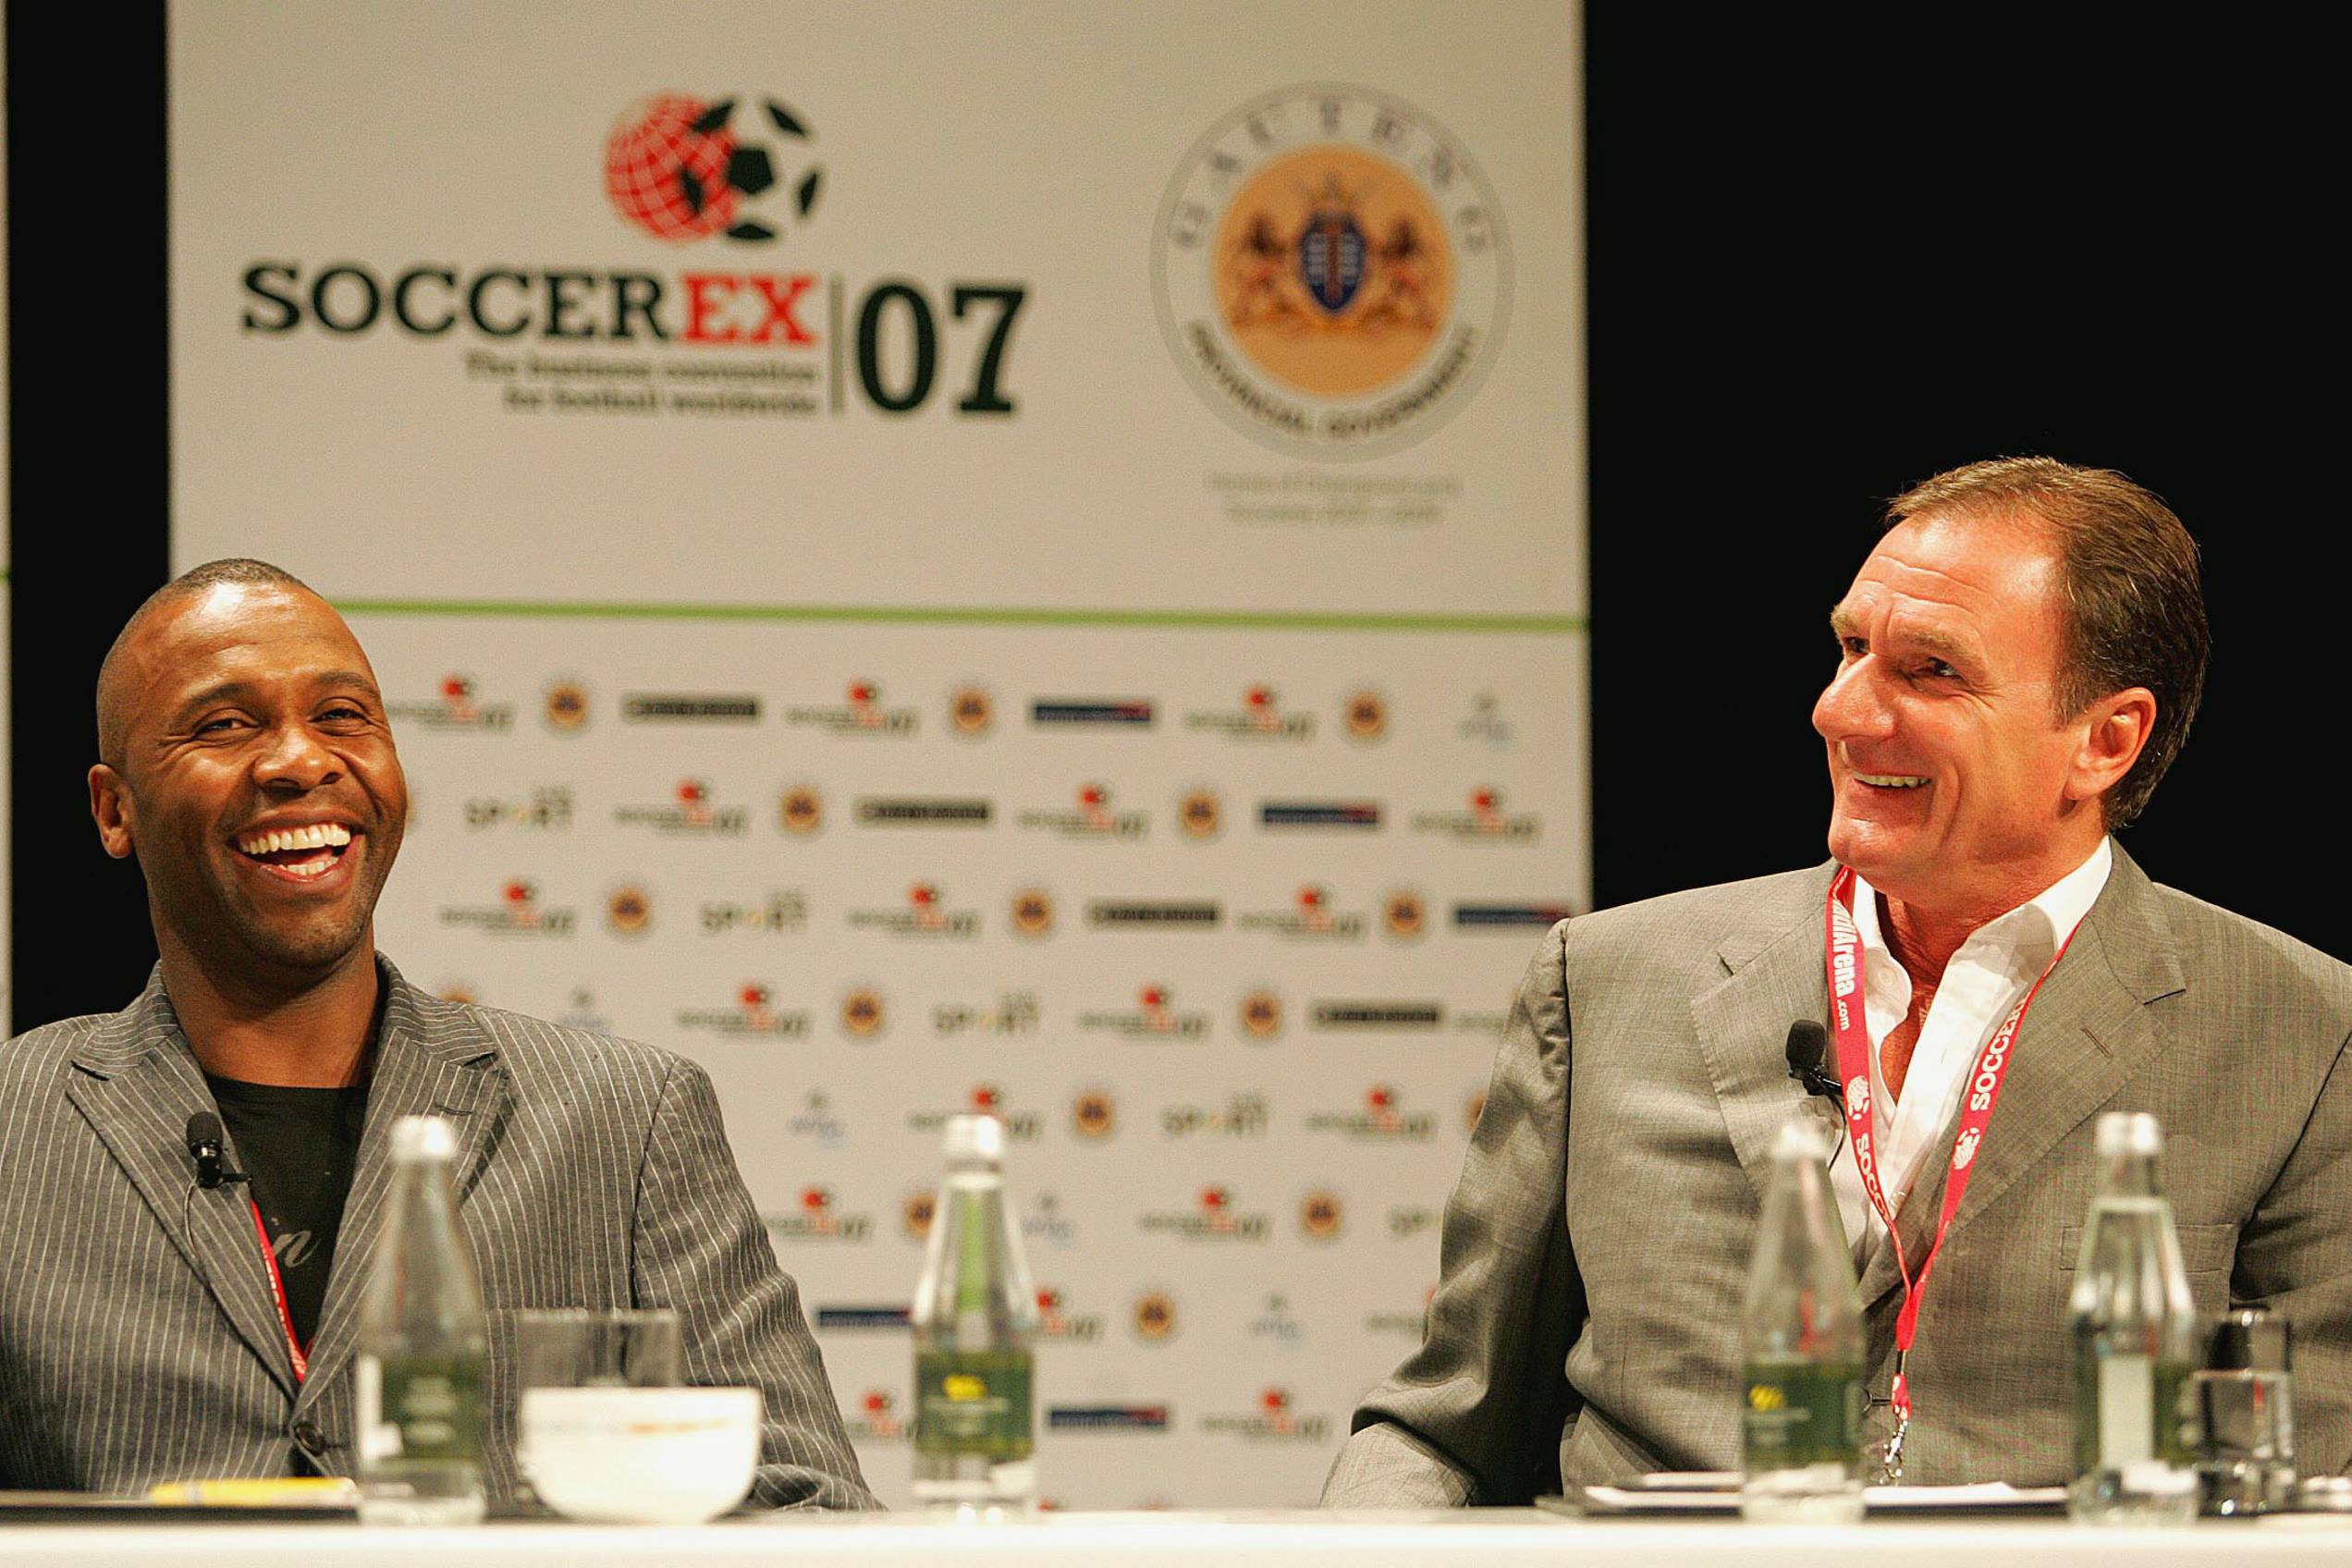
x=8, y=596
x=1027, y=559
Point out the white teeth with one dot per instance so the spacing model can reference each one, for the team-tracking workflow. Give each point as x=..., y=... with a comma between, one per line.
x=1893, y=781
x=317, y=836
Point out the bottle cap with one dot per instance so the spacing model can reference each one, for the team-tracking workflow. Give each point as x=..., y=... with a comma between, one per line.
x=2248, y=1339
x=2129, y=1132
x=976, y=1137
x=1802, y=1137
x=423, y=1138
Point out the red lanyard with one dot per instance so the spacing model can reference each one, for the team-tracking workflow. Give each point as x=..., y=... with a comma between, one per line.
x=277, y=1289
x=1847, y=1020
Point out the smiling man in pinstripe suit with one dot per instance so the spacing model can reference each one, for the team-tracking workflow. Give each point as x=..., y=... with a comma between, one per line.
x=246, y=761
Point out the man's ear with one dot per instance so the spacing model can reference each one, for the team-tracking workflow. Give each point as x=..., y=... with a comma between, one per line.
x=110, y=807
x=2117, y=731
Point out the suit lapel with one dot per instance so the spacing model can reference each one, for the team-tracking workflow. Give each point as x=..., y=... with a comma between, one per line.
x=136, y=1083
x=1774, y=976
x=429, y=1062
x=1914, y=1223
x=2087, y=1034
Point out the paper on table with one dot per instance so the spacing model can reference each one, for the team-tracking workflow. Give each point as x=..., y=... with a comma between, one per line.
x=1707, y=1495
x=1688, y=1481
x=283, y=1499
x=1979, y=1494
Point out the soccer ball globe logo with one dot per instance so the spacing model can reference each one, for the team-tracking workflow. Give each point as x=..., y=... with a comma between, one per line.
x=681, y=169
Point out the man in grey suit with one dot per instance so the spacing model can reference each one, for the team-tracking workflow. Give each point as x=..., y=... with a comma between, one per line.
x=2020, y=658
x=145, y=1334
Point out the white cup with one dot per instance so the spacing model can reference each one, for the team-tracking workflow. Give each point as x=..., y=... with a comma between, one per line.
x=646, y=1456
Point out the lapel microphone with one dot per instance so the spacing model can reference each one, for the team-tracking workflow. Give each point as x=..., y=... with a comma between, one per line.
x=1808, y=1044
x=204, y=1148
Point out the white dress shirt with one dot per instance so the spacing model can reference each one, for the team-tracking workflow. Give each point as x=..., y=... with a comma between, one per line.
x=1988, y=975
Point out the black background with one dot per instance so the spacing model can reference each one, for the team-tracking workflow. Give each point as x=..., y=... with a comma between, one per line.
x=1830, y=253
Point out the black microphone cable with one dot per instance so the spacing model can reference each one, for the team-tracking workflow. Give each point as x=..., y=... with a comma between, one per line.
x=203, y=1138
x=1809, y=1045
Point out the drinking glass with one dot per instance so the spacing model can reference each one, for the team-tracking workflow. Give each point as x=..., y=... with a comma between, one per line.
x=597, y=1348
x=2244, y=1416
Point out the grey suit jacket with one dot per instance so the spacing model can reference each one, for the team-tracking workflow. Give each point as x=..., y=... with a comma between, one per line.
x=1585, y=1327
x=139, y=1339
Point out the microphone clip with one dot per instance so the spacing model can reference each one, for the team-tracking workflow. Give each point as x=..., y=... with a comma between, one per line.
x=1816, y=1082
x=1809, y=1049
x=212, y=1169
x=204, y=1148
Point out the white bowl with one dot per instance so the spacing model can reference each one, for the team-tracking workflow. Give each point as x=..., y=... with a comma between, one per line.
x=647, y=1456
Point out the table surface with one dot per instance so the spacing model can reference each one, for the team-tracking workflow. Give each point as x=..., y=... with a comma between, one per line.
x=1257, y=1539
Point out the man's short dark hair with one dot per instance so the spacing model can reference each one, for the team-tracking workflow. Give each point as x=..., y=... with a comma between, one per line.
x=112, y=722
x=2134, y=607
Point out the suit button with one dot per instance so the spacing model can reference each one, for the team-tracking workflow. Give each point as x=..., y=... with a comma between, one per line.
x=307, y=1434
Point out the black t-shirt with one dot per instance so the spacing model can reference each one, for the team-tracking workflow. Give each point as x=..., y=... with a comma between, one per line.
x=299, y=1146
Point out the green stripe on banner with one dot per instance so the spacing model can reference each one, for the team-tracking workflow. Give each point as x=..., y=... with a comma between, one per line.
x=970, y=615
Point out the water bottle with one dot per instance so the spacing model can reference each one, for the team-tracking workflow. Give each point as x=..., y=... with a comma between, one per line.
x=1801, y=1340
x=2135, y=1342
x=423, y=1347
x=974, y=1321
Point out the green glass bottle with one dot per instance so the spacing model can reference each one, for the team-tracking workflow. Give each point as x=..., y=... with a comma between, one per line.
x=975, y=1325
x=423, y=1346
x=2135, y=1330
x=1801, y=1340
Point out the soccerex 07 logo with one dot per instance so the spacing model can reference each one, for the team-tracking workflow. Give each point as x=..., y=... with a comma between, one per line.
x=681, y=168
x=1331, y=272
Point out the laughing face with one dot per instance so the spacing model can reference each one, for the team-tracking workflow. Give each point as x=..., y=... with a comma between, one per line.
x=256, y=783
x=1955, y=784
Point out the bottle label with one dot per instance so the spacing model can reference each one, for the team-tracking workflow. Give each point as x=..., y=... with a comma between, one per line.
x=426, y=1407
x=1802, y=1413
x=2133, y=1410
x=974, y=1402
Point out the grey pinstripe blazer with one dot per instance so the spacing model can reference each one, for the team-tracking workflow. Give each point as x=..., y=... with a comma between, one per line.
x=135, y=1348
x=1595, y=1250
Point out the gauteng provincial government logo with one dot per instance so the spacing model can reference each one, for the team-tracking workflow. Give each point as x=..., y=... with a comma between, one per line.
x=1093, y=1113
x=566, y=707
x=1153, y=1317
x=1331, y=270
